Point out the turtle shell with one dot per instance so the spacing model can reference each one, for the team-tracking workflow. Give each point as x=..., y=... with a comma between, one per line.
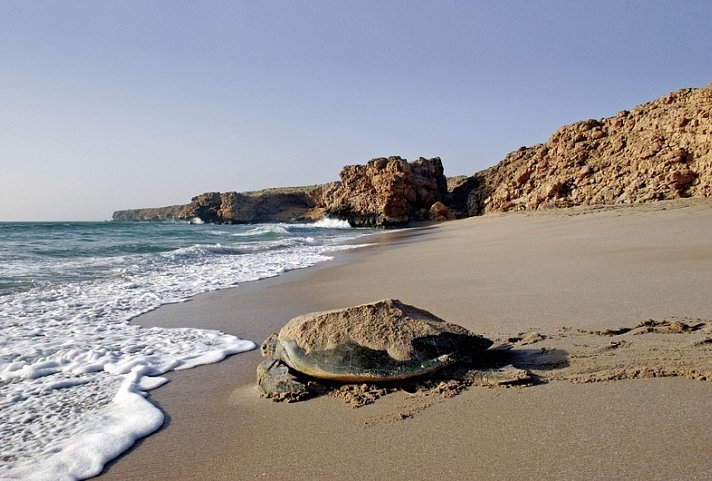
x=381, y=341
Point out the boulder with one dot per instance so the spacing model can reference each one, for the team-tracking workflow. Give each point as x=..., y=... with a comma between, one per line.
x=440, y=212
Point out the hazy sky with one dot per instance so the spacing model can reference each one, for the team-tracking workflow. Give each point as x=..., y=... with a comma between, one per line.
x=108, y=105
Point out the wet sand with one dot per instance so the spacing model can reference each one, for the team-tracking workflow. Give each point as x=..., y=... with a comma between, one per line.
x=558, y=285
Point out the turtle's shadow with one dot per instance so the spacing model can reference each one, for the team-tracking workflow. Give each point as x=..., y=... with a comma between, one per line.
x=528, y=359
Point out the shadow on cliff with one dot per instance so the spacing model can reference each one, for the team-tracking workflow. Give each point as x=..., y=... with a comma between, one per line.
x=468, y=198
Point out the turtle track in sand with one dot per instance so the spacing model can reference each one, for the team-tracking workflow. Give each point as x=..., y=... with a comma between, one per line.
x=671, y=347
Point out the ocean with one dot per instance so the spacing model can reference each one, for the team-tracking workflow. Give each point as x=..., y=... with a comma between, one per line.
x=74, y=372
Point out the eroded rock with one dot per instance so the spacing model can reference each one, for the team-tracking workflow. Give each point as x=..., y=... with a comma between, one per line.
x=656, y=151
x=386, y=191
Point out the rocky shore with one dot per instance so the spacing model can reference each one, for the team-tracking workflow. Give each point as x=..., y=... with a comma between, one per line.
x=659, y=150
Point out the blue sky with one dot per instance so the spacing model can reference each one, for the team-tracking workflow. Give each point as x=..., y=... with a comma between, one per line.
x=108, y=105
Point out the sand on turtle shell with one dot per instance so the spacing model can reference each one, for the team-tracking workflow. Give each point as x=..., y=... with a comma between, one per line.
x=385, y=325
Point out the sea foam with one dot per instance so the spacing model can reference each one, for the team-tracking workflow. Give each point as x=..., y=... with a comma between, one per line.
x=74, y=372
x=330, y=223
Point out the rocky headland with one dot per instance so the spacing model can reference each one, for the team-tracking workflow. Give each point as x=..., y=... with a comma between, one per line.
x=659, y=150
x=272, y=205
x=656, y=151
x=385, y=192
x=171, y=212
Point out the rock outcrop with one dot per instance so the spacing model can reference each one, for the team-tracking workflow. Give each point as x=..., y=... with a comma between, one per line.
x=385, y=192
x=172, y=212
x=658, y=150
x=271, y=205
x=292, y=204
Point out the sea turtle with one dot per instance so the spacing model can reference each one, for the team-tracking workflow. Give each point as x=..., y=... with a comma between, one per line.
x=383, y=341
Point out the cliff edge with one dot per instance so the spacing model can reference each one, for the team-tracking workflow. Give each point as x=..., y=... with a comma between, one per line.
x=658, y=150
x=171, y=212
x=386, y=192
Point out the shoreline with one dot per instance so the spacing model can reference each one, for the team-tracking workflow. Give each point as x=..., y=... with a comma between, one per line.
x=496, y=275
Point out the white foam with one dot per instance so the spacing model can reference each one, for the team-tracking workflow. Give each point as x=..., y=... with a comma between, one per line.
x=330, y=223
x=264, y=229
x=74, y=372
x=69, y=408
x=105, y=432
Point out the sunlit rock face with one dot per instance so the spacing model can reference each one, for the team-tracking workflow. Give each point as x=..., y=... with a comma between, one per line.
x=658, y=150
x=385, y=191
x=271, y=205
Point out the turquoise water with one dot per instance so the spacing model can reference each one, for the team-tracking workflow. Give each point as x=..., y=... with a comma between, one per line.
x=74, y=371
x=34, y=254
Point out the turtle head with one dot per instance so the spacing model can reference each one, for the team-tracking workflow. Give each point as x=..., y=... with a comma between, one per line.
x=269, y=347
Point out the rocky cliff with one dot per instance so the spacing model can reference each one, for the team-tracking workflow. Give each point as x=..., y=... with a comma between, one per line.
x=386, y=192
x=271, y=205
x=291, y=204
x=172, y=212
x=658, y=150
x=383, y=192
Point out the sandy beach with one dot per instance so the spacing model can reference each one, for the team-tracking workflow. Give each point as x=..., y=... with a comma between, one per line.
x=611, y=306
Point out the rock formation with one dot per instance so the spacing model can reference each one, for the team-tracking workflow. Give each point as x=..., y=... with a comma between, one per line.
x=658, y=150
x=203, y=207
x=151, y=214
x=293, y=204
x=385, y=191
x=271, y=205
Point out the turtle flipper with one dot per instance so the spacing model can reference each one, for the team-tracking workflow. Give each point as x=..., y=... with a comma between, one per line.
x=278, y=384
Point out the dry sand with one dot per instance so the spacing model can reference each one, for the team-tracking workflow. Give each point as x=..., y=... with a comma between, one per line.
x=558, y=285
